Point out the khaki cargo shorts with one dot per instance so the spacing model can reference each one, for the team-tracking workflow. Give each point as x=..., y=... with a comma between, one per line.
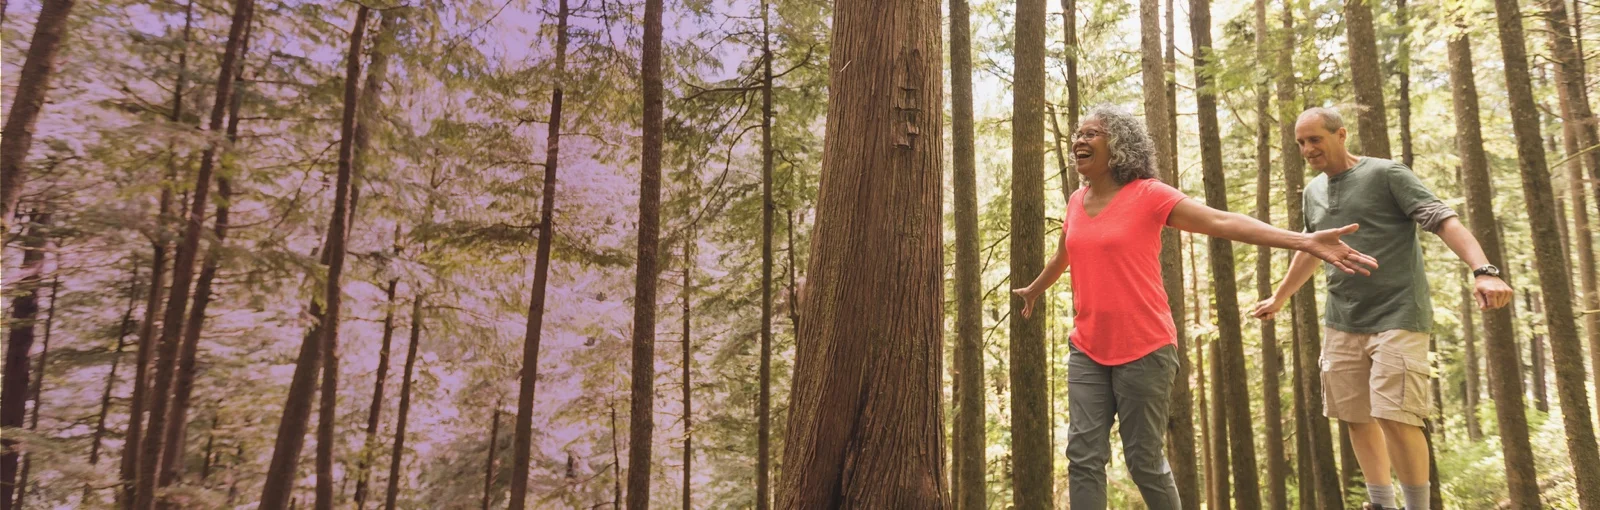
x=1376, y=375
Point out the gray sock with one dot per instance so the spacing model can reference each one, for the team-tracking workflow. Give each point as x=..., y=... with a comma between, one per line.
x=1381, y=495
x=1416, y=496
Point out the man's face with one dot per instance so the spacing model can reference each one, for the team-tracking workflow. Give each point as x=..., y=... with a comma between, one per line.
x=1324, y=150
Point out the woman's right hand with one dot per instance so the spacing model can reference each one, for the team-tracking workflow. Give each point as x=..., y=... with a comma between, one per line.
x=1266, y=309
x=1028, y=297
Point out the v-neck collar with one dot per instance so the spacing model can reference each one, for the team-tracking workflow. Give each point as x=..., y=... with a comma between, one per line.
x=1083, y=204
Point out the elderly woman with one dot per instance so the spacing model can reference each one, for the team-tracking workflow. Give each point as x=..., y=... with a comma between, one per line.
x=1123, y=355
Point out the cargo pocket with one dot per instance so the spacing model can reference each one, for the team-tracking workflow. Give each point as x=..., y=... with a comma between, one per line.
x=1417, y=398
x=1344, y=390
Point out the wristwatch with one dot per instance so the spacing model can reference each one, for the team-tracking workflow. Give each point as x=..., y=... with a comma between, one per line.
x=1486, y=270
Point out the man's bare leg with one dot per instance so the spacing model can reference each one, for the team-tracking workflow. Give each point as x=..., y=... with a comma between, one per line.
x=1372, y=453
x=1408, y=448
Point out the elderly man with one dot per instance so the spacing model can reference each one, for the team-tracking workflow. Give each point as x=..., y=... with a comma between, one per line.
x=1375, y=366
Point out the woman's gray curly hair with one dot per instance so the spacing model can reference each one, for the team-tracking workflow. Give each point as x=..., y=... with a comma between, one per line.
x=1132, y=151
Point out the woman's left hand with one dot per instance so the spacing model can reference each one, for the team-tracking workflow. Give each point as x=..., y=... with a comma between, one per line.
x=1325, y=245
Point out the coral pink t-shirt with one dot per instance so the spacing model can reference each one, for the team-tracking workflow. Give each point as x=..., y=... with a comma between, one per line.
x=1115, y=257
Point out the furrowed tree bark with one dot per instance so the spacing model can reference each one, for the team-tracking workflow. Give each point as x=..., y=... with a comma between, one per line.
x=868, y=361
x=38, y=386
x=764, y=372
x=1554, y=278
x=183, y=263
x=19, y=340
x=396, y=456
x=1523, y=488
x=1241, y=429
x=1271, y=359
x=338, y=224
x=370, y=445
x=33, y=84
x=969, y=456
x=642, y=398
x=522, y=428
x=134, y=435
x=1366, y=77
x=1581, y=131
x=173, y=437
x=1032, y=461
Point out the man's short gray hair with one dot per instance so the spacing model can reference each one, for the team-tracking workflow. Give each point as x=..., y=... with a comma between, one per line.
x=1331, y=120
x=1132, y=151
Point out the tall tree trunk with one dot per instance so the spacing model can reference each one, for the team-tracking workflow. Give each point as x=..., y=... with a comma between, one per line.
x=370, y=445
x=1220, y=469
x=1350, y=477
x=111, y=379
x=1205, y=428
x=1061, y=153
x=32, y=85
x=522, y=429
x=38, y=386
x=1554, y=278
x=877, y=259
x=1032, y=461
x=1069, y=11
x=1403, y=68
x=327, y=411
x=133, y=437
x=1469, y=339
x=970, y=441
x=1229, y=328
x=1580, y=132
x=397, y=454
x=1271, y=360
x=488, y=463
x=1536, y=358
x=764, y=375
x=1158, y=108
x=19, y=340
x=688, y=363
x=1366, y=77
x=1305, y=472
x=616, y=462
x=643, y=396
x=172, y=322
x=1498, y=339
x=171, y=465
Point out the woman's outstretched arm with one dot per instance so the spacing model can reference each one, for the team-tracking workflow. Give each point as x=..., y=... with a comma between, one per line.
x=1192, y=216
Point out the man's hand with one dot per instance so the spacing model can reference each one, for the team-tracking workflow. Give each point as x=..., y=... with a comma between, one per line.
x=1325, y=245
x=1028, y=297
x=1266, y=309
x=1492, y=292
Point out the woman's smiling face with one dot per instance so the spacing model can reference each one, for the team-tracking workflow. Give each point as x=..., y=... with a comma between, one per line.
x=1091, y=149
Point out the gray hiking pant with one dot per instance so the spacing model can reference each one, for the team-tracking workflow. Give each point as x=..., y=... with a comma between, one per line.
x=1136, y=394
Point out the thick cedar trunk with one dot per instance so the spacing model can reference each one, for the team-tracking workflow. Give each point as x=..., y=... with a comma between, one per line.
x=38, y=387
x=172, y=322
x=32, y=85
x=133, y=437
x=688, y=362
x=370, y=445
x=338, y=223
x=1241, y=430
x=867, y=368
x=1366, y=77
x=1161, y=123
x=1579, y=131
x=1220, y=469
x=1271, y=360
x=1555, y=280
x=641, y=415
x=1469, y=339
x=488, y=463
x=522, y=428
x=1403, y=69
x=969, y=457
x=1032, y=461
x=397, y=454
x=171, y=465
x=764, y=373
x=1499, y=341
x=1536, y=357
x=111, y=380
x=19, y=340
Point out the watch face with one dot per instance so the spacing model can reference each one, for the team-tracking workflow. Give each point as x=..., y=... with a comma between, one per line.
x=1488, y=270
